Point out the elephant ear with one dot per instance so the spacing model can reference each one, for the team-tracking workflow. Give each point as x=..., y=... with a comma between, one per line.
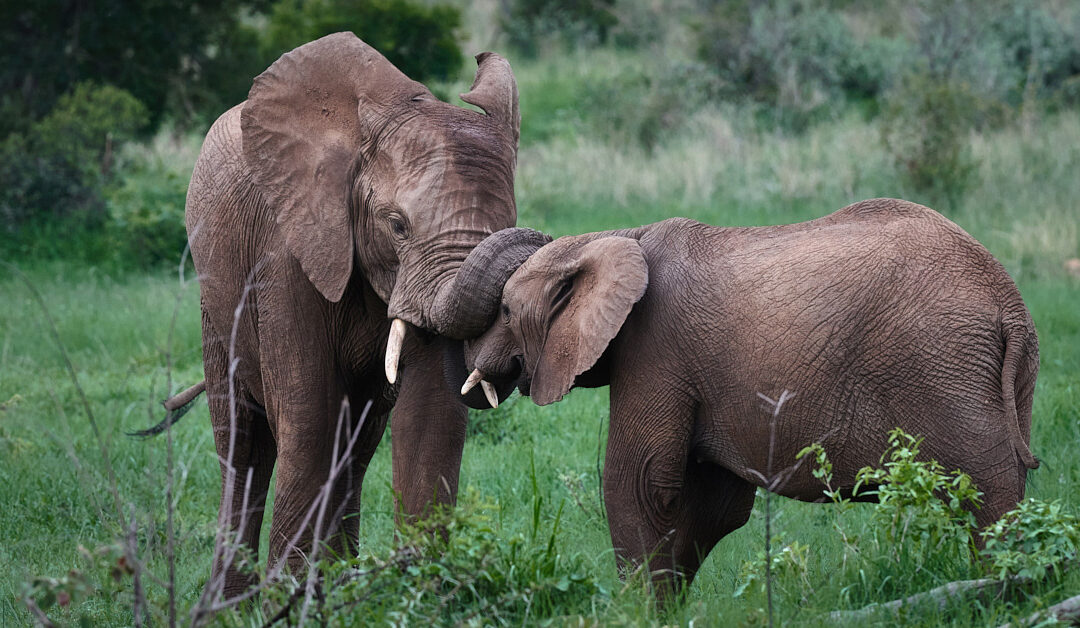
x=495, y=91
x=301, y=131
x=589, y=304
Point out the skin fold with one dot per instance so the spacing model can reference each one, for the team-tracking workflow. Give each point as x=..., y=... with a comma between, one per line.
x=339, y=196
x=883, y=314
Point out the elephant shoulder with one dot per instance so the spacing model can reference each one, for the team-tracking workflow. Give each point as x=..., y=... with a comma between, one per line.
x=219, y=169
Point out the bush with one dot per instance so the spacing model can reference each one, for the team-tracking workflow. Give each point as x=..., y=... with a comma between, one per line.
x=926, y=130
x=1044, y=51
x=530, y=24
x=1032, y=540
x=146, y=215
x=420, y=39
x=920, y=528
x=58, y=169
x=796, y=56
x=640, y=105
x=920, y=511
x=474, y=574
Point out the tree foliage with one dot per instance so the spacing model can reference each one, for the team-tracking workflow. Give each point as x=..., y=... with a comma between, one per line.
x=421, y=40
x=58, y=167
x=49, y=46
x=528, y=24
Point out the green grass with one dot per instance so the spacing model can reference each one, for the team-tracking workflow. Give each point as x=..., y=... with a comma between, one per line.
x=719, y=167
x=115, y=331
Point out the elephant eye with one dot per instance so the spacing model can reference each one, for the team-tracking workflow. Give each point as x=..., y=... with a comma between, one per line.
x=506, y=312
x=398, y=226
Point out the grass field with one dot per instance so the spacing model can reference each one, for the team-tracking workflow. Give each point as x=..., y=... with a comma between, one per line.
x=719, y=167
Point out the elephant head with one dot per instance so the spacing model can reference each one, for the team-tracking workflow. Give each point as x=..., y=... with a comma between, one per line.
x=559, y=312
x=365, y=169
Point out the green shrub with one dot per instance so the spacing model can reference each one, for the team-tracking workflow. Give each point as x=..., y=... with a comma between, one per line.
x=640, y=105
x=1032, y=540
x=919, y=531
x=146, y=215
x=920, y=511
x=795, y=56
x=58, y=169
x=455, y=568
x=926, y=129
x=530, y=24
x=1043, y=51
x=420, y=39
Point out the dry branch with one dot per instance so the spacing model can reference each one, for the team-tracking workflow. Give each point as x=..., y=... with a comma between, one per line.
x=940, y=597
x=1067, y=611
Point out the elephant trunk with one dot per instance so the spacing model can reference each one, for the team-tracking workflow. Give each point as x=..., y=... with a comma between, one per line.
x=466, y=306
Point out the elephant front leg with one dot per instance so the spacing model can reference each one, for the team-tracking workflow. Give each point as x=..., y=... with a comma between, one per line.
x=666, y=509
x=428, y=429
x=641, y=494
x=321, y=463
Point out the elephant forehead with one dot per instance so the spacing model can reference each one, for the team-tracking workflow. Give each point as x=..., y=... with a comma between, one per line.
x=551, y=261
x=422, y=175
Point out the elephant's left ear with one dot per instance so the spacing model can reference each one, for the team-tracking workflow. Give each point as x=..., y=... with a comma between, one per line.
x=301, y=131
x=495, y=91
x=589, y=305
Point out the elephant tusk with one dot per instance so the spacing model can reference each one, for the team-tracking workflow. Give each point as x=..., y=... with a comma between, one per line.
x=393, y=349
x=472, y=381
x=489, y=392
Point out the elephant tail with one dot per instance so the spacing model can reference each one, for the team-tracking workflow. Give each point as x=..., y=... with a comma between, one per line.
x=1018, y=372
x=175, y=407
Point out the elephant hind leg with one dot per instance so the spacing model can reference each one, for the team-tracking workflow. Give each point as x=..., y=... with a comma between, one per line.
x=1002, y=487
x=245, y=470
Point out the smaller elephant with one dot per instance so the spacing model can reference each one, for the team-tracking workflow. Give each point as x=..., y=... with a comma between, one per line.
x=883, y=314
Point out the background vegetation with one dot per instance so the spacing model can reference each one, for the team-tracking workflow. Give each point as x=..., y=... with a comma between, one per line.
x=633, y=111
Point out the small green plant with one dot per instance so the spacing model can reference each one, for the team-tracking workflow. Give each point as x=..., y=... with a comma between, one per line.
x=920, y=510
x=789, y=569
x=105, y=573
x=920, y=531
x=1033, y=540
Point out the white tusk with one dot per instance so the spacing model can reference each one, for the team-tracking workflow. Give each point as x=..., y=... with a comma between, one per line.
x=489, y=392
x=393, y=349
x=472, y=381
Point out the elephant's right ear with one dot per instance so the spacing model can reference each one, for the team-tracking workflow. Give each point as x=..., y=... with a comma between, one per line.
x=301, y=133
x=589, y=304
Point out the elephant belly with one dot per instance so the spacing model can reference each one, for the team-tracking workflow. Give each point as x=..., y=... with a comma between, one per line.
x=835, y=392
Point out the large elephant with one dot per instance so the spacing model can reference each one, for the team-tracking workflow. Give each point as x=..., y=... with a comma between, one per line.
x=341, y=196
x=882, y=314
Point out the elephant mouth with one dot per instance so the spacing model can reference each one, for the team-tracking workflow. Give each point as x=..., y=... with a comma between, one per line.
x=455, y=373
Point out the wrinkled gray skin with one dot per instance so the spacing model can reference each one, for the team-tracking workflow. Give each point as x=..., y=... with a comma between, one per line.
x=880, y=315
x=341, y=195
